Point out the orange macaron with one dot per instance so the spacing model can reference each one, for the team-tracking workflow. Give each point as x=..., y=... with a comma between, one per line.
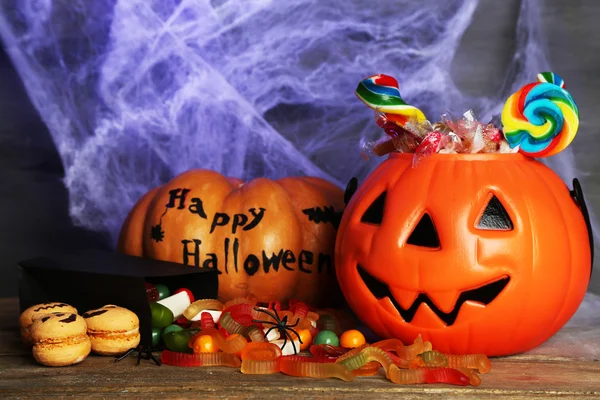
x=27, y=317
x=59, y=339
x=112, y=330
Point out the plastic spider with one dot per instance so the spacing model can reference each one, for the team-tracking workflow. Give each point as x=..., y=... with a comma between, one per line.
x=146, y=354
x=281, y=324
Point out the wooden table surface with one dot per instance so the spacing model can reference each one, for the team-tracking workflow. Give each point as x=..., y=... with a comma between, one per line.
x=516, y=377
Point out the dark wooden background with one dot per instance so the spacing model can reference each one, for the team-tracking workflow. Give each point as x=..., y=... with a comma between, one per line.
x=33, y=200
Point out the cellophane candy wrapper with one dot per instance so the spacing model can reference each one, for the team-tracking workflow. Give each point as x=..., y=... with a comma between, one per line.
x=450, y=135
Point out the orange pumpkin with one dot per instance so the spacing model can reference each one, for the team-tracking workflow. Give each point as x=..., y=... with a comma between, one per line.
x=478, y=253
x=274, y=239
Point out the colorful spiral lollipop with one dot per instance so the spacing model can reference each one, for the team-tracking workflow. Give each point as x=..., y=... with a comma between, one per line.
x=541, y=117
x=381, y=93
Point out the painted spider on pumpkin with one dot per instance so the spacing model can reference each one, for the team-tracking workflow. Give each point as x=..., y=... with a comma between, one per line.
x=281, y=325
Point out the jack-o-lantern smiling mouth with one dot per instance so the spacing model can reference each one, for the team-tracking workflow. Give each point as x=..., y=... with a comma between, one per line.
x=483, y=294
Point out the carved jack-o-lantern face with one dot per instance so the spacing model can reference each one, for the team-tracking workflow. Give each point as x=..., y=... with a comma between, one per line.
x=478, y=253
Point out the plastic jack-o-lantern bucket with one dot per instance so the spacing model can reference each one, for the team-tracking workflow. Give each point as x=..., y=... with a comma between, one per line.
x=478, y=253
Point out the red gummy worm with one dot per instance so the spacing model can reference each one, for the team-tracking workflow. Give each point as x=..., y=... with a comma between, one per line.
x=180, y=359
x=241, y=308
x=207, y=321
x=445, y=375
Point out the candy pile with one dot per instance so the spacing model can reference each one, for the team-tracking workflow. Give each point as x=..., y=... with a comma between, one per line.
x=268, y=340
x=539, y=120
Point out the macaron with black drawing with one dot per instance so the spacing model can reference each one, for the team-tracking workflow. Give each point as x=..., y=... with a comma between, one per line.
x=112, y=330
x=60, y=339
x=27, y=317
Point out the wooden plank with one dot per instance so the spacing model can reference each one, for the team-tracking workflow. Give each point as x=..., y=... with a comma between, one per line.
x=516, y=377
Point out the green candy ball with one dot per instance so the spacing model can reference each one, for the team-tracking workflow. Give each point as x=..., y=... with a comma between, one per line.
x=156, y=335
x=327, y=337
x=171, y=328
x=163, y=291
x=161, y=315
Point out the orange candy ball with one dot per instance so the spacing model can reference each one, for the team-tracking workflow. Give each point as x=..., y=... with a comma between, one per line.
x=351, y=339
x=205, y=344
x=305, y=337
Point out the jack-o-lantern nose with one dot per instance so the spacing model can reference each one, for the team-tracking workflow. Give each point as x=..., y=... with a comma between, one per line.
x=425, y=234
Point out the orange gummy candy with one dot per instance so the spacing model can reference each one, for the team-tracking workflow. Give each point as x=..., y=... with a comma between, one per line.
x=261, y=352
x=404, y=352
x=427, y=375
x=474, y=377
x=200, y=305
x=261, y=367
x=233, y=344
x=479, y=362
x=290, y=366
x=368, y=369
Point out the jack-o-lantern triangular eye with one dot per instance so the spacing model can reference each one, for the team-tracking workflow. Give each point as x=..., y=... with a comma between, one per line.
x=374, y=214
x=495, y=217
x=425, y=234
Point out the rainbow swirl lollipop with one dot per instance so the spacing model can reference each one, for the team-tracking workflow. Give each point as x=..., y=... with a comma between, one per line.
x=541, y=117
x=381, y=93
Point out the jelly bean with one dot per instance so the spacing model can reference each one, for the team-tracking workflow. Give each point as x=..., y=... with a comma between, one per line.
x=156, y=336
x=200, y=359
x=189, y=293
x=179, y=340
x=425, y=375
x=200, y=305
x=261, y=352
x=479, y=362
x=327, y=337
x=161, y=315
x=315, y=370
x=171, y=328
x=352, y=339
x=163, y=291
x=261, y=367
x=151, y=292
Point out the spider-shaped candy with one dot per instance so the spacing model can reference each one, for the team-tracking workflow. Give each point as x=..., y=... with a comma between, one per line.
x=146, y=354
x=281, y=324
